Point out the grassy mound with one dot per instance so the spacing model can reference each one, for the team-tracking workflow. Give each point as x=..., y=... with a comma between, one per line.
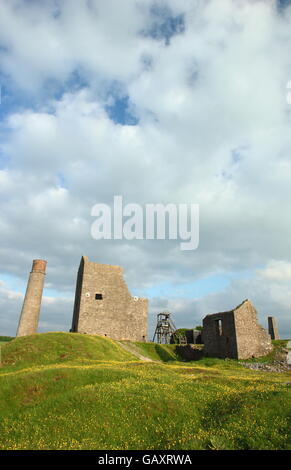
x=51, y=348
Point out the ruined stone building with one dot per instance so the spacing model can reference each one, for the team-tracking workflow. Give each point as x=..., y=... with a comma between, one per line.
x=235, y=334
x=104, y=306
x=28, y=322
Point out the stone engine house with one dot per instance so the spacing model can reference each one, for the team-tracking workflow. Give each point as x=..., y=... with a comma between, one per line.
x=235, y=334
x=104, y=306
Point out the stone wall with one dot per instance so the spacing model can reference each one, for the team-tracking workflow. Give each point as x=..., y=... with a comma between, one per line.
x=189, y=352
x=252, y=338
x=235, y=334
x=104, y=306
x=218, y=335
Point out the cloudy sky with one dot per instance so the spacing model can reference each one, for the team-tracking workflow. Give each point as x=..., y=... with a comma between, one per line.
x=166, y=101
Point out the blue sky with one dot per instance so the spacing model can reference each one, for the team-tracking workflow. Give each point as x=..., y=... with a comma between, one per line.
x=163, y=101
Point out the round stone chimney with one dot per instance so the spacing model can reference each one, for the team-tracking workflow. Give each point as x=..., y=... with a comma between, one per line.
x=38, y=266
x=28, y=322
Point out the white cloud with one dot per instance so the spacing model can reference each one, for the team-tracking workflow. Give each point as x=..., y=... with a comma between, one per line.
x=213, y=129
x=8, y=293
x=276, y=270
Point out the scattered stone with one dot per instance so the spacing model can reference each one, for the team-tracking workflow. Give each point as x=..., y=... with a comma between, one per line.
x=276, y=366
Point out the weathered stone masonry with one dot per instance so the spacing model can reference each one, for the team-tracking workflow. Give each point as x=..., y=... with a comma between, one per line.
x=273, y=329
x=235, y=334
x=104, y=306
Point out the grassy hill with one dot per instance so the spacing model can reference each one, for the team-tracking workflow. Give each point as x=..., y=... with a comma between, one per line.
x=54, y=348
x=71, y=391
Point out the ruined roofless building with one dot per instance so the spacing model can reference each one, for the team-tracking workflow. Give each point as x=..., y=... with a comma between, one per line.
x=104, y=306
x=28, y=322
x=235, y=334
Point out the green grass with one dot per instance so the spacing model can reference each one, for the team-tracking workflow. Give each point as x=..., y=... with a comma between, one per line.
x=158, y=352
x=52, y=348
x=88, y=393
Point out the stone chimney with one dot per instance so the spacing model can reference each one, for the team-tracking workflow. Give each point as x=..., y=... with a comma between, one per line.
x=28, y=322
x=273, y=329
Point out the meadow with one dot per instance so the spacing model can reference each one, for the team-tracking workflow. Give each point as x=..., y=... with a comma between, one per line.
x=72, y=391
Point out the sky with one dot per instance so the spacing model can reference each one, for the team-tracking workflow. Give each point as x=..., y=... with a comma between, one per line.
x=166, y=101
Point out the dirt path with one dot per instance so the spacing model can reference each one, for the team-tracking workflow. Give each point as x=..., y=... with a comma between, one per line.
x=133, y=350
